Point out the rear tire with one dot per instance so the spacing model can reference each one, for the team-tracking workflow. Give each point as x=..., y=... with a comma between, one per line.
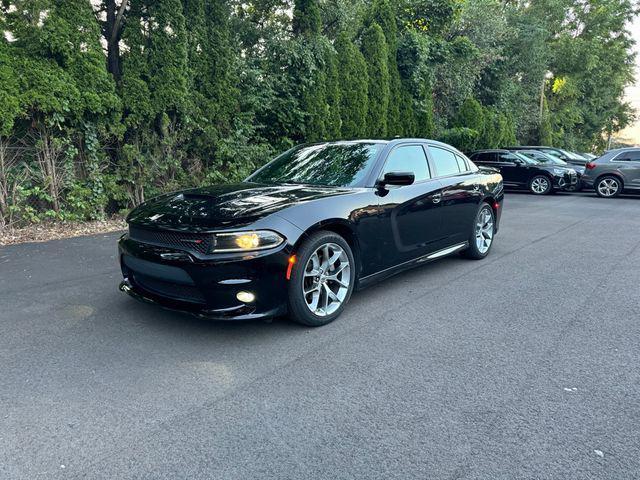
x=482, y=233
x=608, y=186
x=540, y=185
x=322, y=279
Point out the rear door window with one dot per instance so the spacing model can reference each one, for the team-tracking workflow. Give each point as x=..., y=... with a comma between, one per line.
x=444, y=161
x=483, y=157
x=507, y=157
x=462, y=165
x=629, y=156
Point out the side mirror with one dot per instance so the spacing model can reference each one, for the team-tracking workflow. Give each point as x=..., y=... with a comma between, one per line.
x=398, y=178
x=518, y=162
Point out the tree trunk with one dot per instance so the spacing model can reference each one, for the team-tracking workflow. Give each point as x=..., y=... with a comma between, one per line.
x=113, y=34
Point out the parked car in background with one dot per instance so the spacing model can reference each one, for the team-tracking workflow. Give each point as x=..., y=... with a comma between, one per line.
x=522, y=172
x=589, y=156
x=614, y=172
x=303, y=231
x=567, y=156
x=547, y=158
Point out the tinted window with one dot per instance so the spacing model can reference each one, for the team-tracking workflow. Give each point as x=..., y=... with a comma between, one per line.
x=507, y=157
x=514, y=157
x=332, y=164
x=630, y=156
x=483, y=157
x=410, y=158
x=444, y=161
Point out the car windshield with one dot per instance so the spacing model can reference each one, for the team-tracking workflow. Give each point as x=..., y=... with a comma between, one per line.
x=328, y=164
x=541, y=157
x=525, y=158
x=572, y=156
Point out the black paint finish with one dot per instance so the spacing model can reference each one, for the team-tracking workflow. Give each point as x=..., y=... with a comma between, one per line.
x=518, y=171
x=389, y=227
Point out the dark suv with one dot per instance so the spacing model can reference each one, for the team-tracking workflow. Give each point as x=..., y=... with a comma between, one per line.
x=614, y=172
x=519, y=171
x=567, y=156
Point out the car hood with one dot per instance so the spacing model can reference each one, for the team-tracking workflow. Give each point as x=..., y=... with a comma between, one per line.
x=563, y=168
x=223, y=206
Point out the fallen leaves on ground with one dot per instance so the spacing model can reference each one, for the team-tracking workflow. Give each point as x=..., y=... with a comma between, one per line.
x=43, y=232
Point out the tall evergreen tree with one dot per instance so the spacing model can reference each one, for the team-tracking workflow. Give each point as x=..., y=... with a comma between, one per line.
x=353, y=80
x=333, y=94
x=383, y=13
x=374, y=49
x=213, y=81
x=306, y=18
x=154, y=89
x=311, y=75
x=470, y=115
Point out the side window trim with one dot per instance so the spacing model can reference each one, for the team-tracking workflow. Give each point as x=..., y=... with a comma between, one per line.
x=413, y=144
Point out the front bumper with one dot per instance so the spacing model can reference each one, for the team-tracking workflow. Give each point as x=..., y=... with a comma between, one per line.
x=177, y=281
x=568, y=181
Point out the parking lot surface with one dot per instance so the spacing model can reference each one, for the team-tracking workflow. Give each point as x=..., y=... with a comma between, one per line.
x=521, y=366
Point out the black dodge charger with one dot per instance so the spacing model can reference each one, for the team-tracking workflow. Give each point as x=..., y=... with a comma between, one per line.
x=301, y=233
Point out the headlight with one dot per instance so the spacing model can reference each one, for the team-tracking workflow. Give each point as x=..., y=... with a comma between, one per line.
x=557, y=171
x=246, y=241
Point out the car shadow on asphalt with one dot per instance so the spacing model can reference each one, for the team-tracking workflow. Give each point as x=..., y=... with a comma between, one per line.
x=411, y=281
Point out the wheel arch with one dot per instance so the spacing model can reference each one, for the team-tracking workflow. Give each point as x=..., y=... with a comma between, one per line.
x=546, y=175
x=341, y=227
x=609, y=174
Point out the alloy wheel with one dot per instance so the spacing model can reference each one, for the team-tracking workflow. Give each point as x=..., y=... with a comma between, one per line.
x=608, y=187
x=484, y=230
x=326, y=279
x=540, y=185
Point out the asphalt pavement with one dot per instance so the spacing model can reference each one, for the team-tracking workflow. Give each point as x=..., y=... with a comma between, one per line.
x=525, y=365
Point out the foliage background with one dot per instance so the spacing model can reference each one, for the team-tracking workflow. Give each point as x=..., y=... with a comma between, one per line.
x=105, y=103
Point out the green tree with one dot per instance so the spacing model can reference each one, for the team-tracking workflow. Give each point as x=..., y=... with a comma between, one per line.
x=333, y=94
x=353, y=80
x=398, y=119
x=470, y=120
x=154, y=89
x=374, y=49
x=213, y=81
x=470, y=115
x=306, y=17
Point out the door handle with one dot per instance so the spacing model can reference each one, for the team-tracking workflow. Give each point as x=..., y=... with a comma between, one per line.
x=436, y=198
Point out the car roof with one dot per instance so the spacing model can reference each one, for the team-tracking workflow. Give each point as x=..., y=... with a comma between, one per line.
x=622, y=149
x=390, y=143
x=530, y=147
x=491, y=150
x=385, y=142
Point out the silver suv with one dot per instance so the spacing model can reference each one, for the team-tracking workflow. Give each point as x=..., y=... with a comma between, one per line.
x=614, y=172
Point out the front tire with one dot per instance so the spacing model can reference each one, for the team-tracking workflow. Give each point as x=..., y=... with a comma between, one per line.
x=482, y=234
x=608, y=186
x=322, y=280
x=540, y=185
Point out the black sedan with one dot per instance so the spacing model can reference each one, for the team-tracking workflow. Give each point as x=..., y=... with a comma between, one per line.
x=301, y=233
x=522, y=172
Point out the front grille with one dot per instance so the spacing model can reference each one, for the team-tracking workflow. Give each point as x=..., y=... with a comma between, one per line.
x=185, y=293
x=194, y=242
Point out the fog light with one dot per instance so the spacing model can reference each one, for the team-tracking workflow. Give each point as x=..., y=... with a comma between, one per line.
x=246, y=297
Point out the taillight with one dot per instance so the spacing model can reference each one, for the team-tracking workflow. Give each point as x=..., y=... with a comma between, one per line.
x=590, y=166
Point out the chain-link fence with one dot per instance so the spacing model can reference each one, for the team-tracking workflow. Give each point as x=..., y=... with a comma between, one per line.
x=53, y=180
